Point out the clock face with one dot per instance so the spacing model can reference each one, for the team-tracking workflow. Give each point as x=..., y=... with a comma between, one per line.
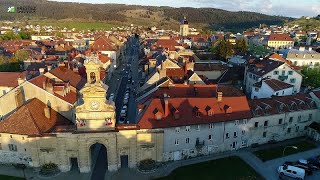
x=94, y=105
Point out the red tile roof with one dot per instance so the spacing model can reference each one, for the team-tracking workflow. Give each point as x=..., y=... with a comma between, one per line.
x=277, y=85
x=10, y=79
x=280, y=37
x=175, y=72
x=30, y=120
x=66, y=74
x=104, y=58
x=188, y=109
x=103, y=43
x=281, y=104
x=277, y=56
x=70, y=97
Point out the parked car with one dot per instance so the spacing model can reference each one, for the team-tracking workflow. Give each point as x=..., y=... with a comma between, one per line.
x=315, y=162
x=122, y=119
x=287, y=163
x=291, y=171
x=307, y=169
x=111, y=97
x=125, y=100
x=308, y=163
x=123, y=112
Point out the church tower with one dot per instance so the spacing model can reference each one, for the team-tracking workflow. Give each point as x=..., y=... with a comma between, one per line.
x=184, y=27
x=95, y=112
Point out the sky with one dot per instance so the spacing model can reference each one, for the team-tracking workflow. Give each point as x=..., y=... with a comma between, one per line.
x=290, y=8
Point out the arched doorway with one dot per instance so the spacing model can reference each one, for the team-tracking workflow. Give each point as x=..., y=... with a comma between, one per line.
x=99, y=161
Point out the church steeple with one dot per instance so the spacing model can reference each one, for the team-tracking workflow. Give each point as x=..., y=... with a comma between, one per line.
x=184, y=27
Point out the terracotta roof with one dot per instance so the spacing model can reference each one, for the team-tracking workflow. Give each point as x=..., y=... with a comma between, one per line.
x=30, y=120
x=104, y=58
x=277, y=85
x=10, y=79
x=192, y=111
x=66, y=74
x=70, y=97
x=280, y=37
x=175, y=72
x=103, y=43
x=209, y=67
x=264, y=66
x=277, y=56
x=281, y=104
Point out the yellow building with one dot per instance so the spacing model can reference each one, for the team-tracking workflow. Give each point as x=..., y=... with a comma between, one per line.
x=280, y=41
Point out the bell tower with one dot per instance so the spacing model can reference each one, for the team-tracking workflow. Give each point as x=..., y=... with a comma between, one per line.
x=95, y=113
x=184, y=27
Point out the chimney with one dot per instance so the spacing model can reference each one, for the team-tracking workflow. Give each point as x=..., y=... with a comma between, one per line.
x=20, y=81
x=41, y=70
x=220, y=96
x=44, y=85
x=166, y=107
x=49, y=67
x=47, y=112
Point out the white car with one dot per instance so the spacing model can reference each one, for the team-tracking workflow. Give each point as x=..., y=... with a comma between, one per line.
x=125, y=100
x=291, y=171
x=111, y=96
x=123, y=112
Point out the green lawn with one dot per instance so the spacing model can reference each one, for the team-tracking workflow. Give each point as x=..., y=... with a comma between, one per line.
x=230, y=168
x=276, y=152
x=4, y=177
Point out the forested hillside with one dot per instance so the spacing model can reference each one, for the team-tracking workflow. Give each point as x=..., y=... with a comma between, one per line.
x=209, y=17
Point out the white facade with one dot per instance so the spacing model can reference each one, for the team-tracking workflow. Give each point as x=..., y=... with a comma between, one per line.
x=266, y=91
x=284, y=73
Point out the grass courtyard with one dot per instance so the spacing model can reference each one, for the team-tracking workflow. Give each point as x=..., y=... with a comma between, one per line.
x=4, y=177
x=229, y=168
x=276, y=152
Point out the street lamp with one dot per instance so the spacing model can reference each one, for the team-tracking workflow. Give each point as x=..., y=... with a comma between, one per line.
x=294, y=147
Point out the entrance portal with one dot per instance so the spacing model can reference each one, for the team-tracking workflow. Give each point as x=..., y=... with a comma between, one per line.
x=74, y=164
x=124, y=161
x=99, y=161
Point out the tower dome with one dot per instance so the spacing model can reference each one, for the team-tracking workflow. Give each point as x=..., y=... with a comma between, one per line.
x=184, y=21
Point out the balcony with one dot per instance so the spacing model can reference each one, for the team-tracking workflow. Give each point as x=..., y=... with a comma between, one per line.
x=282, y=77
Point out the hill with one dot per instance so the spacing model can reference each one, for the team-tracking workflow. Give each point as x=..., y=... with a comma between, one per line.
x=140, y=15
x=307, y=24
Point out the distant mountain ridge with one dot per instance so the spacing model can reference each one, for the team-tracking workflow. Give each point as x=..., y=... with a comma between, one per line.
x=141, y=15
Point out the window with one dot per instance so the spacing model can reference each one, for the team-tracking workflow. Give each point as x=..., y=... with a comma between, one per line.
x=10, y=136
x=198, y=114
x=236, y=122
x=211, y=126
x=250, y=75
x=22, y=138
x=12, y=147
x=289, y=130
x=234, y=134
x=264, y=134
x=0, y=146
x=310, y=117
x=297, y=128
x=176, y=142
x=256, y=124
x=187, y=128
x=275, y=72
x=227, y=136
x=280, y=121
x=283, y=73
x=277, y=93
x=290, y=72
x=187, y=140
x=299, y=118
x=243, y=132
x=292, y=80
x=245, y=121
x=265, y=123
x=177, y=129
x=198, y=127
x=306, y=127
x=290, y=119
x=210, y=137
x=256, y=89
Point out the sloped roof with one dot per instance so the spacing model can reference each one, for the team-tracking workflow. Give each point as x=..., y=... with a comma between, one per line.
x=280, y=37
x=277, y=85
x=30, y=120
x=66, y=74
x=10, y=79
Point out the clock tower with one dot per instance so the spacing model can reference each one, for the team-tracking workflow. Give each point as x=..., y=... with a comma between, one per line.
x=95, y=112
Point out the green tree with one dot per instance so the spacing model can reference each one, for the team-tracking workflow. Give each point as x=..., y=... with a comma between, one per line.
x=10, y=35
x=22, y=55
x=241, y=45
x=222, y=49
x=311, y=76
x=24, y=35
x=59, y=35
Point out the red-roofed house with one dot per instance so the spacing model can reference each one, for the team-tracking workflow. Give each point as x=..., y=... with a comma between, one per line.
x=280, y=41
x=10, y=80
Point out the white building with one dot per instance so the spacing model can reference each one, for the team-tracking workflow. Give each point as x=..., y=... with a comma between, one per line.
x=303, y=56
x=267, y=88
x=272, y=69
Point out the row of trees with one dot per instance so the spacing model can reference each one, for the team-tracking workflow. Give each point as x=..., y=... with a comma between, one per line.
x=311, y=76
x=10, y=35
x=224, y=48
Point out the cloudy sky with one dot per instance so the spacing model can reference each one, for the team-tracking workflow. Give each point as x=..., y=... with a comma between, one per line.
x=292, y=8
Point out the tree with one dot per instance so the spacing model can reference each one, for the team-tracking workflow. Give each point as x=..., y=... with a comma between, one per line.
x=24, y=35
x=10, y=35
x=222, y=49
x=311, y=76
x=22, y=55
x=241, y=45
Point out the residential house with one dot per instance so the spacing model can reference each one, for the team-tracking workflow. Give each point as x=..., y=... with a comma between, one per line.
x=303, y=56
x=259, y=69
x=10, y=80
x=267, y=88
